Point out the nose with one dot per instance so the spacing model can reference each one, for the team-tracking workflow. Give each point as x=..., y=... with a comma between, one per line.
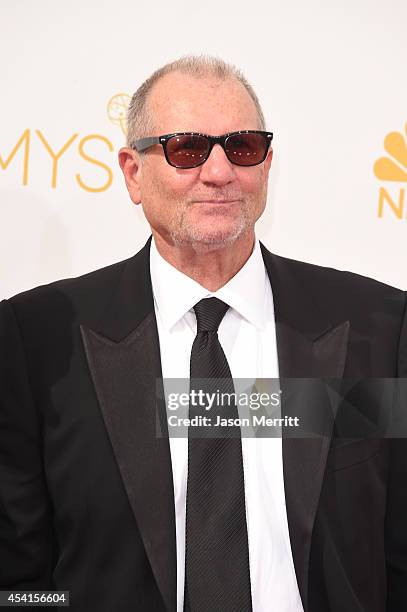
x=217, y=169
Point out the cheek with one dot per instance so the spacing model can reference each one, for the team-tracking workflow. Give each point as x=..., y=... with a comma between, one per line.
x=164, y=191
x=163, y=181
x=253, y=182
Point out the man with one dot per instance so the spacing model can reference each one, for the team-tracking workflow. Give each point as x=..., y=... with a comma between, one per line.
x=95, y=502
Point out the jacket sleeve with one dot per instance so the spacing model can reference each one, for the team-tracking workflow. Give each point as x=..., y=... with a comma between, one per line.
x=26, y=535
x=396, y=515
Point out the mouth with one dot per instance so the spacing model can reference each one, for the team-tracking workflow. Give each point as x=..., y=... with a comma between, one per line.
x=216, y=202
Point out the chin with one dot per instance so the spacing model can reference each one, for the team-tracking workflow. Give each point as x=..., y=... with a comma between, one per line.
x=210, y=238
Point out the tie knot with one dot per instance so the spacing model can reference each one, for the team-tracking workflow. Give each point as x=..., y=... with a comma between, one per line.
x=209, y=313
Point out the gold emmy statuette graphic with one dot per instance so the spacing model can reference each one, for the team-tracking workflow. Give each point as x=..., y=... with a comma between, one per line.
x=393, y=168
x=117, y=110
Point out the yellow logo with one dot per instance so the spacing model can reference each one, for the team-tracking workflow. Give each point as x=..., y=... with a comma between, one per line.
x=117, y=110
x=35, y=144
x=393, y=168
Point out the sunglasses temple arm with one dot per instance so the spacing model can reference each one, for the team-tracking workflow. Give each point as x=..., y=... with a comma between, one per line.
x=145, y=143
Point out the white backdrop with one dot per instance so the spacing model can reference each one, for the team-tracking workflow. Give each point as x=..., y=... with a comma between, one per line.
x=330, y=76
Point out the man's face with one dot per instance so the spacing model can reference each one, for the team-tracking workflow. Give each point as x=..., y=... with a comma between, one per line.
x=215, y=203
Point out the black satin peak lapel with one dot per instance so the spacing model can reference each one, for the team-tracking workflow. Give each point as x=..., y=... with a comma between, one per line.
x=304, y=458
x=124, y=361
x=310, y=349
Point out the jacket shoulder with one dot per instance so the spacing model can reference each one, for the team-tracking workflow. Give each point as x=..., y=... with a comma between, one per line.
x=83, y=299
x=84, y=288
x=337, y=294
x=322, y=278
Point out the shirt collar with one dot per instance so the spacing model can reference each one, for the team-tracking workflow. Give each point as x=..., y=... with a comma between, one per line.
x=176, y=293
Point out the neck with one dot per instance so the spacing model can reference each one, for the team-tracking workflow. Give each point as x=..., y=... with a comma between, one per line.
x=210, y=266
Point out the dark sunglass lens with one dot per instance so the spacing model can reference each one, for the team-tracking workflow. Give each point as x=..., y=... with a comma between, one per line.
x=186, y=151
x=246, y=149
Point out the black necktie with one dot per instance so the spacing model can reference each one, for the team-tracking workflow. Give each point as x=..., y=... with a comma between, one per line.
x=217, y=575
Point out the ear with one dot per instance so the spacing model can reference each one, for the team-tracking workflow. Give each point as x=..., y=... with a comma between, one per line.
x=267, y=161
x=130, y=163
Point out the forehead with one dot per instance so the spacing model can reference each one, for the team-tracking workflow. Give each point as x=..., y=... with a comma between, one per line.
x=180, y=103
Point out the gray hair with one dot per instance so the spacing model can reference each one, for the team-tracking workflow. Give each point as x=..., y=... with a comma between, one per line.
x=139, y=119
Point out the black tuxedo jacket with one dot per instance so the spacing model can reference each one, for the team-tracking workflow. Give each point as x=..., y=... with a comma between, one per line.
x=86, y=491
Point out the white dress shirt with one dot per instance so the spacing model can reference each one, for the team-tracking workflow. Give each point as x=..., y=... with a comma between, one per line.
x=248, y=337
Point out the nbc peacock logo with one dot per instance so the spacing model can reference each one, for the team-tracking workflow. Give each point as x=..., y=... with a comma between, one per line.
x=392, y=169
